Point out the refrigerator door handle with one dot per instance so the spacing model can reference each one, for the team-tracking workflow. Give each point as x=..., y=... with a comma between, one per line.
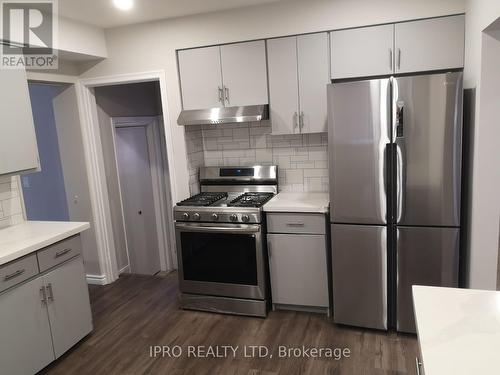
x=399, y=174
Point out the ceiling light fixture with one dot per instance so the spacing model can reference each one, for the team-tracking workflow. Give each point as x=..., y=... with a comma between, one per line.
x=123, y=4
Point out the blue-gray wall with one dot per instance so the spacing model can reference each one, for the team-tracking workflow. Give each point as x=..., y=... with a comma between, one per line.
x=44, y=193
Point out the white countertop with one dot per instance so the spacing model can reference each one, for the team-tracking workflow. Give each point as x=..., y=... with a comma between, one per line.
x=25, y=238
x=298, y=202
x=458, y=330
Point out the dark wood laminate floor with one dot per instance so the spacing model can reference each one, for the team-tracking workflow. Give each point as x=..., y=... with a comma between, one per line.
x=138, y=311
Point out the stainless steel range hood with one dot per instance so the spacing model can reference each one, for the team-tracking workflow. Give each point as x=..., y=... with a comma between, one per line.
x=224, y=115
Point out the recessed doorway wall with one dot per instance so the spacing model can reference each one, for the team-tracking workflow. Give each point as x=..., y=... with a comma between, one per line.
x=130, y=125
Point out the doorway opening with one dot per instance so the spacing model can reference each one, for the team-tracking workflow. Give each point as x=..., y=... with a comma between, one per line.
x=137, y=179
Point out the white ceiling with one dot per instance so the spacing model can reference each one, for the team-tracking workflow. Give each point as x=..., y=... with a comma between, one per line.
x=102, y=13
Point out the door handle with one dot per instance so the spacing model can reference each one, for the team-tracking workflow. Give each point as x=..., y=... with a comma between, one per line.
x=295, y=120
x=301, y=120
x=43, y=295
x=295, y=224
x=61, y=253
x=390, y=59
x=14, y=274
x=226, y=94
x=399, y=59
x=140, y=212
x=50, y=293
x=220, y=95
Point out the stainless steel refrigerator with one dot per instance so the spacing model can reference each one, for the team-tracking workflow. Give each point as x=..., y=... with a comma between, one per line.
x=395, y=182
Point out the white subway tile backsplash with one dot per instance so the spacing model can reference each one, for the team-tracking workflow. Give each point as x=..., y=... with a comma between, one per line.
x=252, y=143
x=11, y=211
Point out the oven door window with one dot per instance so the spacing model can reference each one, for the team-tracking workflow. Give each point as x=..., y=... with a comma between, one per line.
x=219, y=257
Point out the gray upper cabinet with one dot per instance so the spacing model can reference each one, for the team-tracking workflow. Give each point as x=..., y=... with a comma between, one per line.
x=406, y=47
x=298, y=74
x=18, y=147
x=244, y=73
x=201, y=78
x=362, y=52
x=431, y=44
x=228, y=75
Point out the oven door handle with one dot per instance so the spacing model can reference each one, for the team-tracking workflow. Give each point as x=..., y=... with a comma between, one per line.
x=242, y=228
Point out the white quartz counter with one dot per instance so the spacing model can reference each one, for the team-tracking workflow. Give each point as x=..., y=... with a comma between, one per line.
x=299, y=202
x=458, y=330
x=22, y=239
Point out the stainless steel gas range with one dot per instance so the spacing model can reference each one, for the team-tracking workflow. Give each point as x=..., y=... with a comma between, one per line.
x=220, y=235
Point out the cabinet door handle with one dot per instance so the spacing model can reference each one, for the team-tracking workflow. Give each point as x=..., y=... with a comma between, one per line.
x=418, y=365
x=50, y=294
x=220, y=94
x=295, y=120
x=295, y=224
x=226, y=94
x=60, y=253
x=399, y=58
x=301, y=120
x=390, y=59
x=43, y=295
x=14, y=274
x=269, y=248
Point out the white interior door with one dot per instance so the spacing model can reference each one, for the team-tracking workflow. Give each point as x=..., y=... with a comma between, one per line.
x=134, y=170
x=244, y=73
x=76, y=184
x=312, y=51
x=283, y=86
x=200, y=76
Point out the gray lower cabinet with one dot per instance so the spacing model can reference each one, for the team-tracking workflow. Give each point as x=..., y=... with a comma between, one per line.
x=43, y=317
x=68, y=305
x=25, y=340
x=297, y=263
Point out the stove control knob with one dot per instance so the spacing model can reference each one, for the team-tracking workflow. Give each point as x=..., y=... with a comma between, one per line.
x=245, y=218
x=215, y=217
x=185, y=216
x=196, y=216
x=233, y=217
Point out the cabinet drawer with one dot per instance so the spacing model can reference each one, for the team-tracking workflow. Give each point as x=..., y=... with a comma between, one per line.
x=19, y=270
x=59, y=252
x=296, y=223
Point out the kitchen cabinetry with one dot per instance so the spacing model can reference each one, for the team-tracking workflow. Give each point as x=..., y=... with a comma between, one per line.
x=298, y=75
x=298, y=260
x=227, y=75
x=362, y=52
x=432, y=44
x=422, y=45
x=45, y=315
x=18, y=147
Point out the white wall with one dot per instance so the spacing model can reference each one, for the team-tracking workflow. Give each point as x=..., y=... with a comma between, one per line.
x=152, y=46
x=482, y=62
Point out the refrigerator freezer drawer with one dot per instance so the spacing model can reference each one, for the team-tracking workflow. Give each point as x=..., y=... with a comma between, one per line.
x=426, y=256
x=359, y=262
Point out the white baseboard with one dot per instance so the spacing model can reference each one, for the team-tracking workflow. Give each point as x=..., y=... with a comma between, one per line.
x=96, y=279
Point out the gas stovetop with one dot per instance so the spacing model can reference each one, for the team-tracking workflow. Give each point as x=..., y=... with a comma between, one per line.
x=230, y=195
x=223, y=199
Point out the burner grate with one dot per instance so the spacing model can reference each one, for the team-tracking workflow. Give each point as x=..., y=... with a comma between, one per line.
x=256, y=199
x=203, y=199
